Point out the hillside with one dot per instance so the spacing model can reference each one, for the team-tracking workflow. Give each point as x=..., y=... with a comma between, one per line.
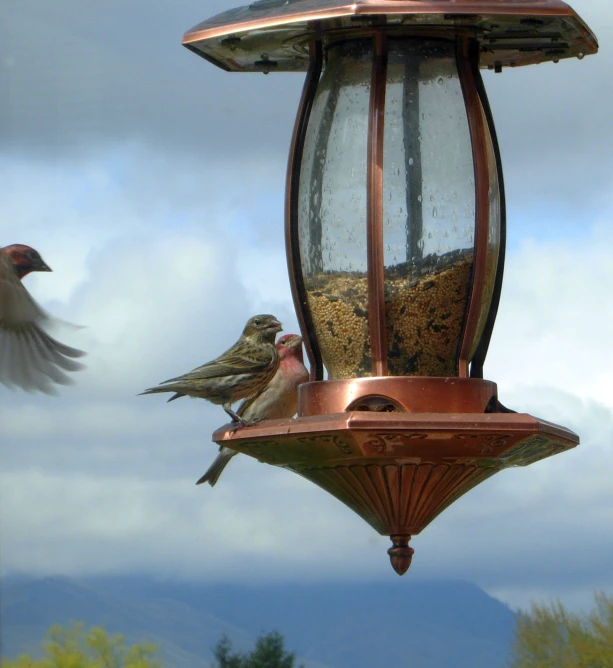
x=329, y=625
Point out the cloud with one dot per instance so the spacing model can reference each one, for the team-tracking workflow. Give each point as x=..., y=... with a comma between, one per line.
x=118, y=73
x=554, y=321
x=121, y=524
x=79, y=76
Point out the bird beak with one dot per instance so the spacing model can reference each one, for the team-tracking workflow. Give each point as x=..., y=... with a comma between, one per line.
x=275, y=326
x=295, y=341
x=41, y=266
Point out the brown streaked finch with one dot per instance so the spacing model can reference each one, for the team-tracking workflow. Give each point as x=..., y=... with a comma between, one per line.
x=279, y=399
x=29, y=357
x=242, y=371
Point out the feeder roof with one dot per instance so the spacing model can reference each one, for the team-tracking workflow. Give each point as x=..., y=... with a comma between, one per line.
x=273, y=35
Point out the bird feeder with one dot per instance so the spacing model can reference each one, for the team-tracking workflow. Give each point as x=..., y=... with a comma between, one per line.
x=395, y=233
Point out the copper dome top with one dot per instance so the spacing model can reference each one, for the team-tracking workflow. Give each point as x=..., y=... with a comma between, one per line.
x=273, y=35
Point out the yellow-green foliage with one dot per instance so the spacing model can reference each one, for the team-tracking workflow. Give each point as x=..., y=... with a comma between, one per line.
x=549, y=636
x=76, y=647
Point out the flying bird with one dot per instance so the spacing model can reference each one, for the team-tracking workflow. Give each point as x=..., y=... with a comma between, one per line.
x=29, y=357
x=242, y=371
x=279, y=399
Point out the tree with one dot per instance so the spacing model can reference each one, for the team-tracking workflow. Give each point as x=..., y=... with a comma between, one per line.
x=74, y=647
x=269, y=652
x=549, y=636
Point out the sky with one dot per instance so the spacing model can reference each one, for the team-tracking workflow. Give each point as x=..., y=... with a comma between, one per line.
x=152, y=183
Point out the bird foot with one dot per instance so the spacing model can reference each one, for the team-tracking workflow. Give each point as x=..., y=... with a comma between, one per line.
x=240, y=423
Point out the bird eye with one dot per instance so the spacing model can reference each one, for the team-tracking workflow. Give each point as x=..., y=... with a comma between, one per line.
x=257, y=321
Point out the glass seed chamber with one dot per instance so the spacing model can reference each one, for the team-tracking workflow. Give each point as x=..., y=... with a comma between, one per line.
x=428, y=213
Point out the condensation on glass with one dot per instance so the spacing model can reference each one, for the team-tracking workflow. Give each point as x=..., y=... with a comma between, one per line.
x=428, y=210
x=332, y=211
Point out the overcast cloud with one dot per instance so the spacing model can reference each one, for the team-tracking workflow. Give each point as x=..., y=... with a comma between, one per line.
x=152, y=183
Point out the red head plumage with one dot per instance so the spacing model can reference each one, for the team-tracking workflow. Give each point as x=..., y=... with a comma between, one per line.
x=24, y=259
x=290, y=345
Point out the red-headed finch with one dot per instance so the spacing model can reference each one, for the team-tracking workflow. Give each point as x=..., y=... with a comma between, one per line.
x=279, y=399
x=29, y=357
x=242, y=371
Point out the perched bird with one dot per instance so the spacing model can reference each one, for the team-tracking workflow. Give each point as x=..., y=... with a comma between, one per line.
x=242, y=371
x=279, y=399
x=29, y=357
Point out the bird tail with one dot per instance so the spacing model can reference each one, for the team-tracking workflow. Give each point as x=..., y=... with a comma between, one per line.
x=216, y=468
x=162, y=388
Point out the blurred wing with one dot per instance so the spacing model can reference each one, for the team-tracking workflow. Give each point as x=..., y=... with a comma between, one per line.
x=29, y=357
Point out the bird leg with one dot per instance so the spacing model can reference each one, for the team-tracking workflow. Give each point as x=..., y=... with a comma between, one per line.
x=235, y=417
x=239, y=423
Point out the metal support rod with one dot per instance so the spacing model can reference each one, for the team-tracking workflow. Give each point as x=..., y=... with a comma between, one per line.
x=476, y=364
x=479, y=150
x=374, y=203
x=292, y=243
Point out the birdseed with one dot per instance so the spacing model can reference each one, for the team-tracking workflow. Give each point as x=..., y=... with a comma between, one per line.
x=424, y=317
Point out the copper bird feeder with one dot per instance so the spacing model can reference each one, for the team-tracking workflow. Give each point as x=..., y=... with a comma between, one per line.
x=395, y=232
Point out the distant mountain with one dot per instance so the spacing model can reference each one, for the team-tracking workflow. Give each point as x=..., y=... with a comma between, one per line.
x=29, y=608
x=328, y=625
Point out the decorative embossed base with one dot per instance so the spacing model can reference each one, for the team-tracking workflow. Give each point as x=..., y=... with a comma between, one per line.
x=399, y=470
